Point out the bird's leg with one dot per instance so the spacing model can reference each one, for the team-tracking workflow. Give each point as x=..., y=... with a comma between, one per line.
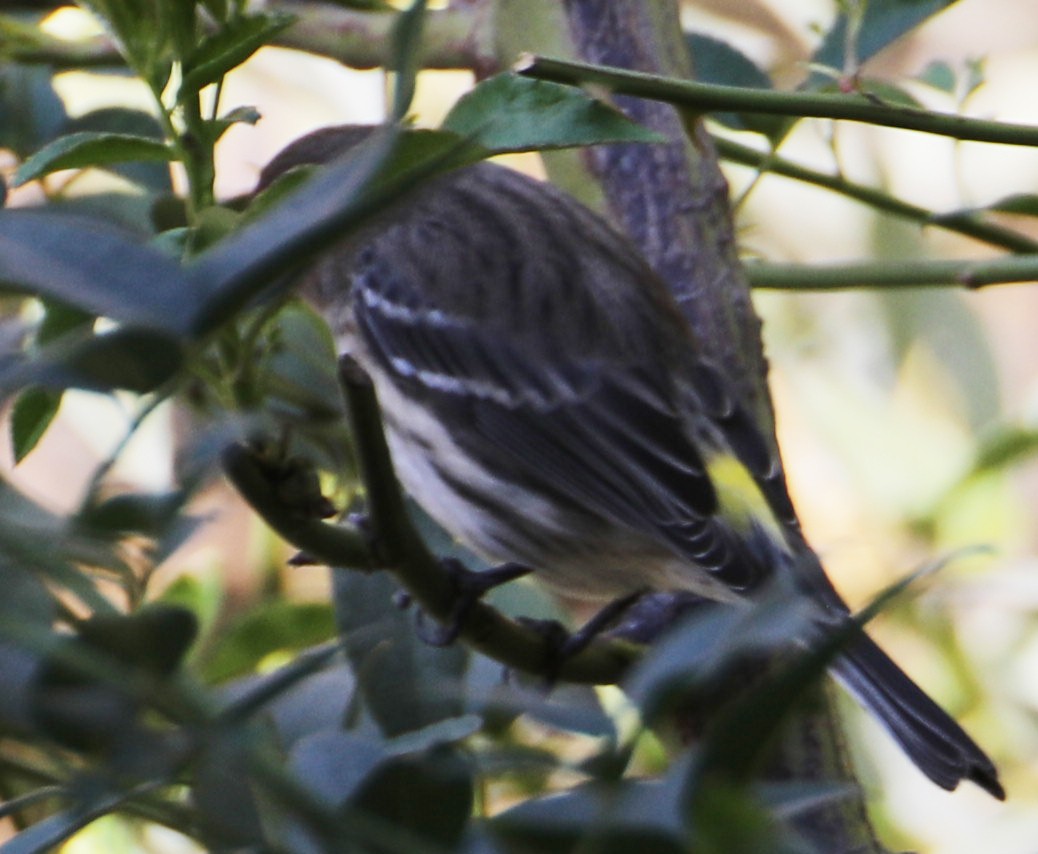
x=470, y=587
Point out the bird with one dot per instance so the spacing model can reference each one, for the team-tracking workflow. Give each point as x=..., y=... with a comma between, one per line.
x=545, y=401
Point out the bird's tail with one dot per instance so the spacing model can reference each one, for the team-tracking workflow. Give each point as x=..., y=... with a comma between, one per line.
x=934, y=742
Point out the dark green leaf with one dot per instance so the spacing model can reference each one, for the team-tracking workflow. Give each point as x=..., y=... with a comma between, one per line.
x=154, y=638
x=35, y=541
x=407, y=40
x=153, y=175
x=406, y=683
x=48, y=834
x=32, y=414
x=888, y=94
x=733, y=747
x=279, y=189
x=216, y=128
x=275, y=626
x=217, y=8
x=228, y=48
x=334, y=764
x=509, y=112
x=59, y=320
x=712, y=641
x=130, y=358
x=731, y=820
x=612, y=818
x=95, y=267
x=85, y=149
x=35, y=408
x=223, y=798
x=1025, y=204
x=202, y=595
x=447, y=731
x=366, y=178
x=300, y=378
x=793, y=799
x=884, y=22
x=1004, y=448
x=716, y=61
x=939, y=75
x=426, y=795
x=976, y=76
x=134, y=512
x=31, y=113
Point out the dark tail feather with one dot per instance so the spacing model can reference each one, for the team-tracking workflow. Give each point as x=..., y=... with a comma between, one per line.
x=934, y=742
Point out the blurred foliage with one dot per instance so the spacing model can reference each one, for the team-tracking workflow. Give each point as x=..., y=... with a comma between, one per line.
x=127, y=708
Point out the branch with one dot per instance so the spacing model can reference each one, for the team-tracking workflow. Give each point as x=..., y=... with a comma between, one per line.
x=708, y=98
x=967, y=224
x=394, y=544
x=458, y=37
x=894, y=274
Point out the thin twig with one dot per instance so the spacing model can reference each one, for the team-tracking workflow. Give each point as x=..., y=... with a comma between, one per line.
x=709, y=98
x=967, y=224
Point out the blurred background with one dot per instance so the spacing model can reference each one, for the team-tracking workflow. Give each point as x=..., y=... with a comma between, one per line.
x=908, y=418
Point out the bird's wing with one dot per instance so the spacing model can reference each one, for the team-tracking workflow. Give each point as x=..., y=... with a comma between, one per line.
x=607, y=437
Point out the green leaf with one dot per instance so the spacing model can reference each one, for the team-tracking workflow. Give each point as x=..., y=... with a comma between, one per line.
x=334, y=764
x=273, y=627
x=133, y=512
x=711, y=641
x=611, y=818
x=300, y=377
x=228, y=48
x=129, y=358
x=37, y=542
x=278, y=190
x=731, y=820
x=939, y=75
x=406, y=683
x=153, y=175
x=1004, y=448
x=48, y=833
x=509, y=113
x=86, y=148
x=406, y=40
x=356, y=184
x=716, y=61
x=976, y=76
x=32, y=414
x=215, y=128
x=35, y=408
x=888, y=94
x=884, y=22
x=1025, y=204
x=95, y=267
x=428, y=795
x=154, y=638
x=31, y=113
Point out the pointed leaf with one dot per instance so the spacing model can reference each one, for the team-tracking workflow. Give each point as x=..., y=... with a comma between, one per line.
x=130, y=358
x=940, y=76
x=884, y=22
x=88, y=148
x=407, y=39
x=228, y=48
x=716, y=61
x=33, y=412
x=92, y=266
x=513, y=113
x=354, y=185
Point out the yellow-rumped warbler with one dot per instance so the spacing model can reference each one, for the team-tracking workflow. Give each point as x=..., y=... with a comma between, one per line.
x=545, y=402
